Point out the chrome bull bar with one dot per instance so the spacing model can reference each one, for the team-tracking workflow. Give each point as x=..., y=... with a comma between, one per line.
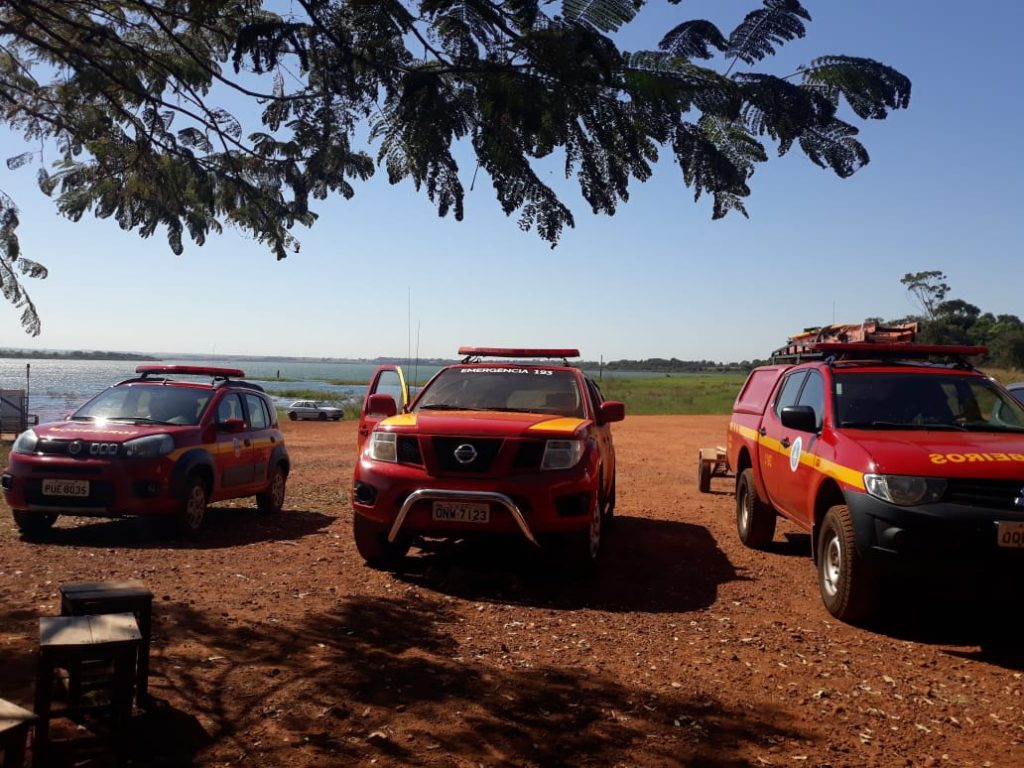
x=431, y=494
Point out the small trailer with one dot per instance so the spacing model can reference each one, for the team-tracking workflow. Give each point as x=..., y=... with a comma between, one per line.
x=711, y=462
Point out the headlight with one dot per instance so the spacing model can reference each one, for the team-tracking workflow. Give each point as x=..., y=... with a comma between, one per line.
x=562, y=454
x=26, y=442
x=149, y=447
x=384, y=446
x=905, y=490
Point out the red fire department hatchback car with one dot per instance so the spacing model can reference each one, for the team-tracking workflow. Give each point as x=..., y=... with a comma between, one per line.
x=518, y=449
x=159, y=444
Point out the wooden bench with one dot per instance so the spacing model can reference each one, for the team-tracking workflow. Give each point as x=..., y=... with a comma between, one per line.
x=67, y=642
x=15, y=723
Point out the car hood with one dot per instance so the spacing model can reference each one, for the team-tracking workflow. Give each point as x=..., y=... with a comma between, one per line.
x=112, y=431
x=486, y=423
x=950, y=454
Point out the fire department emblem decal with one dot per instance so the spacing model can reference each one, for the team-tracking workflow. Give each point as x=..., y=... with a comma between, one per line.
x=794, y=455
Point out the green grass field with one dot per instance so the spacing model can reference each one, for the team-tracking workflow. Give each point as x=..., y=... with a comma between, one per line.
x=675, y=394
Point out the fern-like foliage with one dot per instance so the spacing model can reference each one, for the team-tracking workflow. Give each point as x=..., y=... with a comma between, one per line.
x=124, y=98
x=872, y=89
x=694, y=40
x=602, y=15
x=763, y=30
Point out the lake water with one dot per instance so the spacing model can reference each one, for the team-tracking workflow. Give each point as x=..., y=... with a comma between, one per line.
x=57, y=387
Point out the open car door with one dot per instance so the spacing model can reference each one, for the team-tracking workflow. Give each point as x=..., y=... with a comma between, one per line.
x=387, y=381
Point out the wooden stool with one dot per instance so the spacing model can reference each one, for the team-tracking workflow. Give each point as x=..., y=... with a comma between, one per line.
x=65, y=642
x=14, y=726
x=96, y=597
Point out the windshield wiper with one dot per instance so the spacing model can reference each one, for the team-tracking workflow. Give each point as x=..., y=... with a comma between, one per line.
x=902, y=425
x=446, y=407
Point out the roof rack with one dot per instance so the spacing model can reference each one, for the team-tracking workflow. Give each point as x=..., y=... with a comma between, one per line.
x=219, y=376
x=474, y=354
x=867, y=341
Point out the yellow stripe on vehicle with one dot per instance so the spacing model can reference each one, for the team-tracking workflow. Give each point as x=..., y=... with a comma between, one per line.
x=839, y=472
x=561, y=424
x=401, y=420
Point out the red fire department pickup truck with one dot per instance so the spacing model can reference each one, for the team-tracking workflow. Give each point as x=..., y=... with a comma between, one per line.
x=895, y=465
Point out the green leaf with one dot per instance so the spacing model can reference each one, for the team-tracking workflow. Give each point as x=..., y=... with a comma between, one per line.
x=763, y=30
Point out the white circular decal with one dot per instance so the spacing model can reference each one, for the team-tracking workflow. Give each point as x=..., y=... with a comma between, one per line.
x=794, y=455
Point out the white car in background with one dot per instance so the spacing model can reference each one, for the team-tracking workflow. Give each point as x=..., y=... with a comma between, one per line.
x=313, y=409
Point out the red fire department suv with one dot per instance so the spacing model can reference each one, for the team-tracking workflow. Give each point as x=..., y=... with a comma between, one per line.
x=510, y=448
x=894, y=464
x=159, y=444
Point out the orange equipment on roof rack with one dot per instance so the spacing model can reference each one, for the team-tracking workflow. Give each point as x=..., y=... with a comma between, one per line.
x=867, y=340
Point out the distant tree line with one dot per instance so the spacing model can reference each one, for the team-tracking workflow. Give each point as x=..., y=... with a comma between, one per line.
x=945, y=320
x=76, y=354
x=671, y=365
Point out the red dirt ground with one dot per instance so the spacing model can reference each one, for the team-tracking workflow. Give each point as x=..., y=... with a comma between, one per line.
x=274, y=645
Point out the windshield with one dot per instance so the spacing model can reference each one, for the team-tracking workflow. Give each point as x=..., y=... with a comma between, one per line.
x=146, y=403
x=924, y=401
x=508, y=388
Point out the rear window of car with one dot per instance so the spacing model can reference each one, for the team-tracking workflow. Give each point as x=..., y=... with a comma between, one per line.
x=503, y=388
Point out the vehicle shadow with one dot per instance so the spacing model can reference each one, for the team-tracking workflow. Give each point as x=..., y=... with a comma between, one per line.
x=224, y=527
x=795, y=545
x=646, y=565
x=935, y=615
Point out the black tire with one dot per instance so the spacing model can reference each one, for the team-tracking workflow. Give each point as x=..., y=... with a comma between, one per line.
x=271, y=500
x=609, y=503
x=846, y=581
x=755, y=520
x=192, y=513
x=322, y=417
x=373, y=545
x=33, y=524
x=703, y=474
x=292, y=415
x=579, y=551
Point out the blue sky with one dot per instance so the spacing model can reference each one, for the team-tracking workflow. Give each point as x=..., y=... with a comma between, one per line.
x=382, y=274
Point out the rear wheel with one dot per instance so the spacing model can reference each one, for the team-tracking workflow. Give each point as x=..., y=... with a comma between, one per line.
x=755, y=520
x=846, y=581
x=322, y=417
x=33, y=524
x=272, y=499
x=193, y=506
x=372, y=543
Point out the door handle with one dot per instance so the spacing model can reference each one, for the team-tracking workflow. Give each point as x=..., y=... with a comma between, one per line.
x=762, y=431
x=247, y=442
x=785, y=442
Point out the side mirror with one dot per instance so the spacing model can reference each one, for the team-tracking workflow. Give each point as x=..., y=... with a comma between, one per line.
x=382, y=406
x=232, y=426
x=611, y=410
x=800, y=417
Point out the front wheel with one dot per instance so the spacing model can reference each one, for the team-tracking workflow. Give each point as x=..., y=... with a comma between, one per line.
x=846, y=581
x=33, y=524
x=292, y=415
x=579, y=550
x=193, y=506
x=271, y=500
x=755, y=520
x=372, y=543
x=322, y=417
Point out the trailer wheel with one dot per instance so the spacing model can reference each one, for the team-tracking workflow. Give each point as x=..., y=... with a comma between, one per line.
x=703, y=474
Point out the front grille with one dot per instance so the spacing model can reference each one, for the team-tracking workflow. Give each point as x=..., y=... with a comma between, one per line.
x=994, y=494
x=101, y=494
x=486, y=451
x=79, y=449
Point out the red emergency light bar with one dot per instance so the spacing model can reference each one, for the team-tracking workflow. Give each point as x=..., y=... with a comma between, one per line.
x=191, y=370
x=517, y=353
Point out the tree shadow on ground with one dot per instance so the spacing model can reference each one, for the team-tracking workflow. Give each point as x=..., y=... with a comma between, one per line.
x=224, y=527
x=646, y=565
x=387, y=680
